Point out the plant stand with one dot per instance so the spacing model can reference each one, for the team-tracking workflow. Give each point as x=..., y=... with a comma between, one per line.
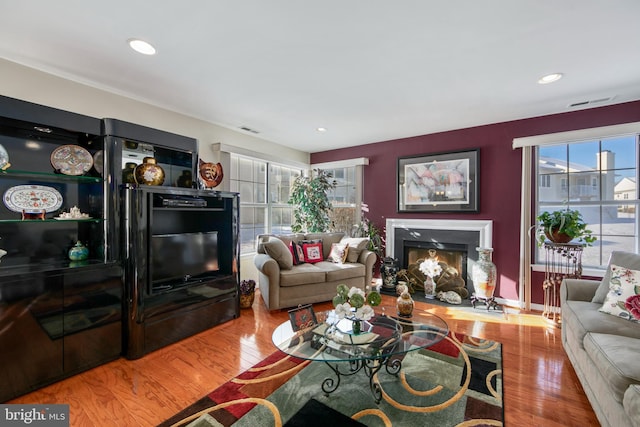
x=562, y=261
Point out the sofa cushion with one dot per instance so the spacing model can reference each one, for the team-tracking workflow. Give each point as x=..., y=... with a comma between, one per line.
x=327, y=240
x=631, y=403
x=336, y=272
x=279, y=251
x=303, y=274
x=616, y=357
x=581, y=317
x=624, y=284
x=623, y=259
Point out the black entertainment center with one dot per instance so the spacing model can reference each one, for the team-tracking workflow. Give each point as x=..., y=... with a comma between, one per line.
x=181, y=264
x=163, y=261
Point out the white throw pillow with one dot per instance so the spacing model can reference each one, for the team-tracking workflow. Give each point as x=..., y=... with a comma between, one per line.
x=623, y=298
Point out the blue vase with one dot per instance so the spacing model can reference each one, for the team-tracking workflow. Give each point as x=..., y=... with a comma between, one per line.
x=79, y=252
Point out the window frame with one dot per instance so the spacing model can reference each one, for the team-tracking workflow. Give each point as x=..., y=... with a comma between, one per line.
x=601, y=202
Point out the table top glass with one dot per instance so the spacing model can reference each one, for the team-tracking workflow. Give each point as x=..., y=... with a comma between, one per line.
x=332, y=339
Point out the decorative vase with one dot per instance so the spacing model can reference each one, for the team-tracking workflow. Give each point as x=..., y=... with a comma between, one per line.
x=149, y=172
x=429, y=288
x=246, y=300
x=389, y=272
x=79, y=252
x=185, y=180
x=127, y=173
x=356, y=326
x=484, y=274
x=405, y=305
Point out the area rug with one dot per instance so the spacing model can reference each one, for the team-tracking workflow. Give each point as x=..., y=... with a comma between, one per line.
x=457, y=382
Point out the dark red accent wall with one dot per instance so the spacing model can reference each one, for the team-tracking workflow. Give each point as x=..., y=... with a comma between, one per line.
x=500, y=176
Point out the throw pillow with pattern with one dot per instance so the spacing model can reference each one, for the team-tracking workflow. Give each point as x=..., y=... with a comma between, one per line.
x=623, y=298
x=338, y=253
x=312, y=252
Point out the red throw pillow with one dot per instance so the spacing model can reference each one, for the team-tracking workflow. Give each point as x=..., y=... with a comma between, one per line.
x=312, y=252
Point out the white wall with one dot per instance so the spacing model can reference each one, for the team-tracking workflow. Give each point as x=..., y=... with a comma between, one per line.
x=31, y=85
x=28, y=84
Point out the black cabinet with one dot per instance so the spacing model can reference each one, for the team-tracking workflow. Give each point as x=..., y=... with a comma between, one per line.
x=57, y=316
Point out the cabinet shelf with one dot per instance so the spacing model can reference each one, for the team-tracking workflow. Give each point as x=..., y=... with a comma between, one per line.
x=22, y=221
x=50, y=176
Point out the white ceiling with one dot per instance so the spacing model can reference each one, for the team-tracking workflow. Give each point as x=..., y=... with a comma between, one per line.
x=367, y=70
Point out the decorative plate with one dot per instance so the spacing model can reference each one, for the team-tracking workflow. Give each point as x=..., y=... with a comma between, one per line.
x=210, y=174
x=98, y=162
x=4, y=158
x=71, y=160
x=32, y=199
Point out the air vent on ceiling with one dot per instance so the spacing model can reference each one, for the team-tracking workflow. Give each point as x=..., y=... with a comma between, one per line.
x=590, y=102
x=248, y=129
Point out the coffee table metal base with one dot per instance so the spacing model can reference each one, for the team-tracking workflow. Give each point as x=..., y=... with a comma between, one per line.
x=370, y=367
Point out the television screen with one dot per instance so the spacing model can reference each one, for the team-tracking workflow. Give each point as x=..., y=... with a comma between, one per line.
x=183, y=257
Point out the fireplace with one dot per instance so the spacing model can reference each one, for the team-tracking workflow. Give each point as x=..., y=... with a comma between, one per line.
x=455, y=242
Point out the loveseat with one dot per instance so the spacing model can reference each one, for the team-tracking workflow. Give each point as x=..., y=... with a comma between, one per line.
x=298, y=269
x=602, y=340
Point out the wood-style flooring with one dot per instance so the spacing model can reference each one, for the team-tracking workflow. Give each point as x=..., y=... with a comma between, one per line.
x=540, y=386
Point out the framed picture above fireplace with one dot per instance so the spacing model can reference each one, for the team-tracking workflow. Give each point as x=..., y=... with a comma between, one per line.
x=442, y=182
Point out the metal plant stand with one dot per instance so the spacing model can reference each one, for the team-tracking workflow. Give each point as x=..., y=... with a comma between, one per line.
x=562, y=260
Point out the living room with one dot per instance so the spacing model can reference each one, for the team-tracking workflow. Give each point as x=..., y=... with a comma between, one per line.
x=499, y=180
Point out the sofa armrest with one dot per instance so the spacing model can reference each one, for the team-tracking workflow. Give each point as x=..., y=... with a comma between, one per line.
x=578, y=289
x=266, y=265
x=268, y=280
x=368, y=258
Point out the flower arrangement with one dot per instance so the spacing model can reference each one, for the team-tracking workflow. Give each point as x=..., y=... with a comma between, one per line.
x=247, y=287
x=346, y=299
x=430, y=267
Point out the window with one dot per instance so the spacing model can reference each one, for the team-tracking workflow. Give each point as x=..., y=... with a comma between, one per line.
x=593, y=177
x=344, y=198
x=264, y=192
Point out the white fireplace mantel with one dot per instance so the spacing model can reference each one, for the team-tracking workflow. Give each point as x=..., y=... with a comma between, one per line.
x=484, y=227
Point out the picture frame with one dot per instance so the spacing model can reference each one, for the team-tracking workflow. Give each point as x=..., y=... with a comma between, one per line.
x=302, y=317
x=441, y=182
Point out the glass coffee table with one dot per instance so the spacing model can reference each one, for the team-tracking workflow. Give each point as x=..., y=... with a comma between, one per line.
x=381, y=342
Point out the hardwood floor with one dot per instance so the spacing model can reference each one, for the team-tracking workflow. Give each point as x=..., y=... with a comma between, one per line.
x=540, y=386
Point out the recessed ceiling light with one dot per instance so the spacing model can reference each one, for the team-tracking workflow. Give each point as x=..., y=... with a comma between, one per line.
x=142, y=47
x=321, y=129
x=550, y=78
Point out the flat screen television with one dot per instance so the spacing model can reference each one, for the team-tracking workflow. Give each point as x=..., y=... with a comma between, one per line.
x=182, y=259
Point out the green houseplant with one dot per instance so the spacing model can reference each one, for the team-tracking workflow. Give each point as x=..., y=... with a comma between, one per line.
x=563, y=226
x=310, y=197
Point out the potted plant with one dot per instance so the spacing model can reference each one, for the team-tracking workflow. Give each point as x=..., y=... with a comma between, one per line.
x=563, y=226
x=310, y=196
x=247, y=293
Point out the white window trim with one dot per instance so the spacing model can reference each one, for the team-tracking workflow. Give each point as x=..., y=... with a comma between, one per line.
x=580, y=135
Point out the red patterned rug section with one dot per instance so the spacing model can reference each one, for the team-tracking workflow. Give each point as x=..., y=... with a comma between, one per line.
x=276, y=370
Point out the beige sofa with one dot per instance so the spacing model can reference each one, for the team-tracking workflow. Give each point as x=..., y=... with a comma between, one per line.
x=604, y=349
x=284, y=285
